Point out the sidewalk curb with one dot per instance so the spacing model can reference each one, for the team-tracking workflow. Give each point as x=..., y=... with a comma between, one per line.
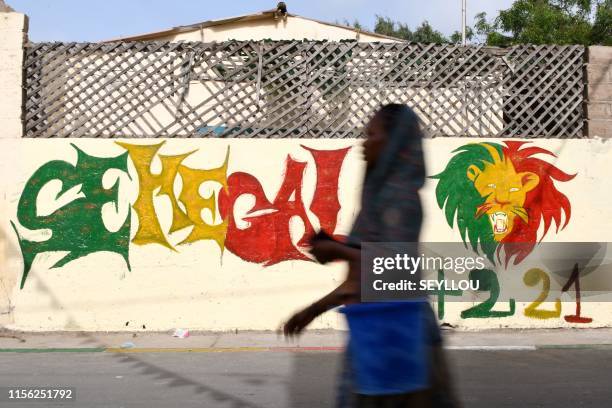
x=54, y=350
x=492, y=348
x=288, y=349
x=603, y=346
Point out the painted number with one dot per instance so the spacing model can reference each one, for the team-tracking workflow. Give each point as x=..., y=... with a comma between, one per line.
x=575, y=280
x=487, y=280
x=442, y=293
x=531, y=278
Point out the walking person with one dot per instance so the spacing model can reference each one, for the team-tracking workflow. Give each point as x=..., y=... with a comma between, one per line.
x=390, y=212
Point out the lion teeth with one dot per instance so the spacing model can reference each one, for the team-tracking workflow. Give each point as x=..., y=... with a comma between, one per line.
x=500, y=222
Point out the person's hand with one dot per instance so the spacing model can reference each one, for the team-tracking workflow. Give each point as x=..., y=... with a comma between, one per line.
x=325, y=250
x=298, y=322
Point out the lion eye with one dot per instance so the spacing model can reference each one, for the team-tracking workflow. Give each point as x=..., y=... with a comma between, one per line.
x=491, y=185
x=514, y=189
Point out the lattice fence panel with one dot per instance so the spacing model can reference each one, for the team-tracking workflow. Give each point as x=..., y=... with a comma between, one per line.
x=298, y=89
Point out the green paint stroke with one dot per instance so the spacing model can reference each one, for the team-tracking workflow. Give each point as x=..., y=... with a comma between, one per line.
x=487, y=282
x=76, y=228
x=459, y=199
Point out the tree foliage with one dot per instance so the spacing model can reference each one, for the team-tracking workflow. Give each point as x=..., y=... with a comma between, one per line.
x=424, y=33
x=386, y=26
x=601, y=33
x=549, y=22
x=456, y=36
x=525, y=22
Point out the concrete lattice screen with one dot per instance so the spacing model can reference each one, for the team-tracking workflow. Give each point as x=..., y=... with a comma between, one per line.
x=299, y=89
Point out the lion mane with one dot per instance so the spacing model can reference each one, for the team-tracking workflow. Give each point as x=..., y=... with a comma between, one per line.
x=459, y=199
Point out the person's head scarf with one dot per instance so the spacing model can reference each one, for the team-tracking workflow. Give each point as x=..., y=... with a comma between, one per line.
x=390, y=204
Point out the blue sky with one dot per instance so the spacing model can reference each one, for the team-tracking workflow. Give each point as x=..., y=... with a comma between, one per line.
x=93, y=20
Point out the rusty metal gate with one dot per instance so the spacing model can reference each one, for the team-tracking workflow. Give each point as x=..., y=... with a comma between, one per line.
x=299, y=89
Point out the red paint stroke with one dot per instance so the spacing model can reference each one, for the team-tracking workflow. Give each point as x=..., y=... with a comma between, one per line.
x=267, y=239
x=544, y=203
x=575, y=280
x=325, y=203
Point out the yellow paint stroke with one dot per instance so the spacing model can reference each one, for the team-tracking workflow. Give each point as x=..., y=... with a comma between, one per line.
x=216, y=349
x=149, y=229
x=504, y=191
x=194, y=202
x=184, y=350
x=531, y=278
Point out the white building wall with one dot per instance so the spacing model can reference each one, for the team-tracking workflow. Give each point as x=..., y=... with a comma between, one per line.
x=13, y=31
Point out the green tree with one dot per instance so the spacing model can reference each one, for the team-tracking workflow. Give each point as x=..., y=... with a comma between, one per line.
x=548, y=22
x=386, y=26
x=424, y=33
x=601, y=33
x=456, y=36
x=356, y=24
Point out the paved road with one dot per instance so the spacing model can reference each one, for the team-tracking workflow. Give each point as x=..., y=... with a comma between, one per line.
x=542, y=378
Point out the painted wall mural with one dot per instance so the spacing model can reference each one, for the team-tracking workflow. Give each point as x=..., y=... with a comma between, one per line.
x=250, y=205
x=500, y=194
x=78, y=227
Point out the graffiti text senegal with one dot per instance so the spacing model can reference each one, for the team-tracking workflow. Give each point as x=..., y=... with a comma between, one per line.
x=78, y=229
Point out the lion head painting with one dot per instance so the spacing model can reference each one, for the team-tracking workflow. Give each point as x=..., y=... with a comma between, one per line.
x=500, y=194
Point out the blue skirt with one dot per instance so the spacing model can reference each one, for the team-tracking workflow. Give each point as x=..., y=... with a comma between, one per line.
x=388, y=350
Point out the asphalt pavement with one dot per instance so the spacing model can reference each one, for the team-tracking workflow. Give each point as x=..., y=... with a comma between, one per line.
x=250, y=372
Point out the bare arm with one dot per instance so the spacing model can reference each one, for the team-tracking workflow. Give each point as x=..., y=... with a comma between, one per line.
x=346, y=292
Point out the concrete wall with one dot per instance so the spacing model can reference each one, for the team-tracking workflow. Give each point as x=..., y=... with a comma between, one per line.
x=599, y=91
x=205, y=233
x=234, y=260
x=13, y=32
